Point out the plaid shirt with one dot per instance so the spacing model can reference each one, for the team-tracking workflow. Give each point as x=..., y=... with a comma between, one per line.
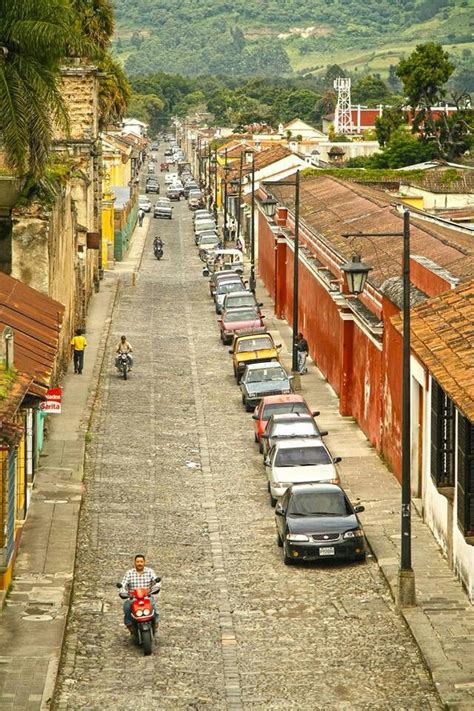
x=133, y=579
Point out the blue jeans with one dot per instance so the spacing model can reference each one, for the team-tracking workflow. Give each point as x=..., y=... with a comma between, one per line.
x=127, y=611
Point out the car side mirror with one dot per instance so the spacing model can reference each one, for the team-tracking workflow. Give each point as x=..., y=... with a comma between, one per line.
x=279, y=510
x=262, y=316
x=205, y=272
x=336, y=460
x=315, y=413
x=359, y=509
x=231, y=351
x=278, y=346
x=323, y=433
x=291, y=377
x=260, y=304
x=266, y=462
x=265, y=436
x=118, y=585
x=219, y=320
x=254, y=417
x=158, y=580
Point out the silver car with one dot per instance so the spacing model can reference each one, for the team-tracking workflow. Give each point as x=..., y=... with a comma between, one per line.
x=288, y=426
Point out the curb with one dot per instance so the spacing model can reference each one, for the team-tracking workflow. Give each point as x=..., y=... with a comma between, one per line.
x=49, y=690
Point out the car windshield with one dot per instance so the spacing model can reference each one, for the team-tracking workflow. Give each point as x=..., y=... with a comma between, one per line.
x=266, y=375
x=332, y=503
x=241, y=315
x=254, y=344
x=294, y=429
x=302, y=457
x=226, y=287
x=278, y=408
x=244, y=300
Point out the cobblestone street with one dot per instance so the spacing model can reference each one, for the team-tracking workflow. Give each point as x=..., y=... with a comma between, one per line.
x=173, y=472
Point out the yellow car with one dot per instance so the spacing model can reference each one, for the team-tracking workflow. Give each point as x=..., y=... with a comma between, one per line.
x=255, y=346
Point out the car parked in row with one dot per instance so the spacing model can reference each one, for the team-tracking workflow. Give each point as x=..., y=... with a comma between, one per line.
x=294, y=461
x=317, y=521
x=252, y=347
x=237, y=319
x=144, y=203
x=278, y=405
x=260, y=379
x=293, y=425
x=163, y=209
x=152, y=185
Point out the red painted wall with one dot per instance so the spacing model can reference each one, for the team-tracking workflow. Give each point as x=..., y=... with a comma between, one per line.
x=365, y=386
x=426, y=280
x=391, y=394
x=266, y=255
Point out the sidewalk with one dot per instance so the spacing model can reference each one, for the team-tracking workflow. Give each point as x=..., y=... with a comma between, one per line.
x=442, y=623
x=33, y=621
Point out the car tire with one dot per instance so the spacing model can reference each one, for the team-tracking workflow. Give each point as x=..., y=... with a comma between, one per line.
x=279, y=541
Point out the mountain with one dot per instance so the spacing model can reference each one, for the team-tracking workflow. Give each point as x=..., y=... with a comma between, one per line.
x=283, y=37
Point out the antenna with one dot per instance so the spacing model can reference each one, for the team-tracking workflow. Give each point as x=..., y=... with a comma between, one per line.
x=343, y=115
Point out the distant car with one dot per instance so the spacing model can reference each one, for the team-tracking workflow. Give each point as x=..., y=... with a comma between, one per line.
x=200, y=214
x=196, y=200
x=152, y=185
x=205, y=229
x=206, y=243
x=223, y=288
x=190, y=186
x=170, y=178
x=278, y=404
x=144, y=203
x=154, y=146
x=260, y=379
x=299, y=461
x=173, y=193
x=225, y=274
x=291, y=425
x=151, y=168
x=237, y=319
x=168, y=151
x=163, y=209
x=317, y=521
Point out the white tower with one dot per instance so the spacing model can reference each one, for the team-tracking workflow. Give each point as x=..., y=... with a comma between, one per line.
x=343, y=116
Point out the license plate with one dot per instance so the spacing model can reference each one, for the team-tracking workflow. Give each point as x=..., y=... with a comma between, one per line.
x=327, y=550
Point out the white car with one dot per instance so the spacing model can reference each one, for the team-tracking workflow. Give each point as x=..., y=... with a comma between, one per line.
x=299, y=461
x=170, y=178
x=144, y=203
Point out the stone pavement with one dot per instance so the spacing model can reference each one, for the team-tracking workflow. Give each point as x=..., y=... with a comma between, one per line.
x=172, y=471
x=33, y=621
x=442, y=623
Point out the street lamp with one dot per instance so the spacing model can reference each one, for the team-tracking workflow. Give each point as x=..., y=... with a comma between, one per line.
x=356, y=273
x=213, y=163
x=269, y=207
x=227, y=169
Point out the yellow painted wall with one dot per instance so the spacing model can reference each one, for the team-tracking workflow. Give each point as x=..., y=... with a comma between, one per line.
x=107, y=226
x=413, y=202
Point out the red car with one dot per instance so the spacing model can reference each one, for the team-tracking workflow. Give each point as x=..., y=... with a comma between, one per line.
x=241, y=319
x=278, y=405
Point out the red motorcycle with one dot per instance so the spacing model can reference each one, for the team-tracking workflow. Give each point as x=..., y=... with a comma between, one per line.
x=143, y=614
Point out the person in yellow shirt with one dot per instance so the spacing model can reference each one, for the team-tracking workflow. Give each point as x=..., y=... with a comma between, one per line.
x=78, y=344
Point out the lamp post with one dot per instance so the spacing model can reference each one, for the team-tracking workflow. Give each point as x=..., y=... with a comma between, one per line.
x=227, y=169
x=269, y=207
x=356, y=273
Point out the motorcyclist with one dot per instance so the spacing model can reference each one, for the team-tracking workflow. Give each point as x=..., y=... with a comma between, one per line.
x=140, y=576
x=123, y=346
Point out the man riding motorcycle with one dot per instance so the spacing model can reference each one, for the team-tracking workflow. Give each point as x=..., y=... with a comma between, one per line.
x=124, y=346
x=158, y=247
x=139, y=576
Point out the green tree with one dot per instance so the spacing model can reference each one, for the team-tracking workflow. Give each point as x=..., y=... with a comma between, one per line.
x=333, y=71
x=403, y=149
x=424, y=75
x=114, y=91
x=392, y=118
x=96, y=21
x=147, y=108
x=371, y=89
x=34, y=38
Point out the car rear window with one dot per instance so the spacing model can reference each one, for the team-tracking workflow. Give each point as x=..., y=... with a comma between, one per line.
x=298, y=429
x=279, y=408
x=254, y=344
x=266, y=375
x=226, y=287
x=241, y=315
x=302, y=457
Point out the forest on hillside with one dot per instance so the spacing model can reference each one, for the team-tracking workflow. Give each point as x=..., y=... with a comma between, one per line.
x=238, y=38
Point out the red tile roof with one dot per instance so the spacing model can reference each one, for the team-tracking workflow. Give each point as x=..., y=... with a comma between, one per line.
x=332, y=207
x=263, y=159
x=36, y=322
x=442, y=336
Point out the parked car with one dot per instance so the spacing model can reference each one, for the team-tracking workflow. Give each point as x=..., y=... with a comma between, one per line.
x=223, y=288
x=173, y=193
x=154, y=146
x=144, y=203
x=237, y=319
x=199, y=214
x=206, y=243
x=291, y=425
x=151, y=168
x=168, y=151
x=195, y=200
x=260, y=379
x=278, y=404
x=163, y=209
x=170, y=178
x=152, y=185
x=204, y=228
x=296, y=461
x=252, y=347
x=216, y=277
x=239, y=299
x=317, y=521
x=190, y=185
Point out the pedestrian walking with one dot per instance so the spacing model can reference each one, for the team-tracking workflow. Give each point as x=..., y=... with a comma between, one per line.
x=78, y=344
x=302, y=349
x=232, y=230
x=141, y=216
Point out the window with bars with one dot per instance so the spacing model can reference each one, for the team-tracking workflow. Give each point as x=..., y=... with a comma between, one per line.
x=465, y=479
x=443, y=419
